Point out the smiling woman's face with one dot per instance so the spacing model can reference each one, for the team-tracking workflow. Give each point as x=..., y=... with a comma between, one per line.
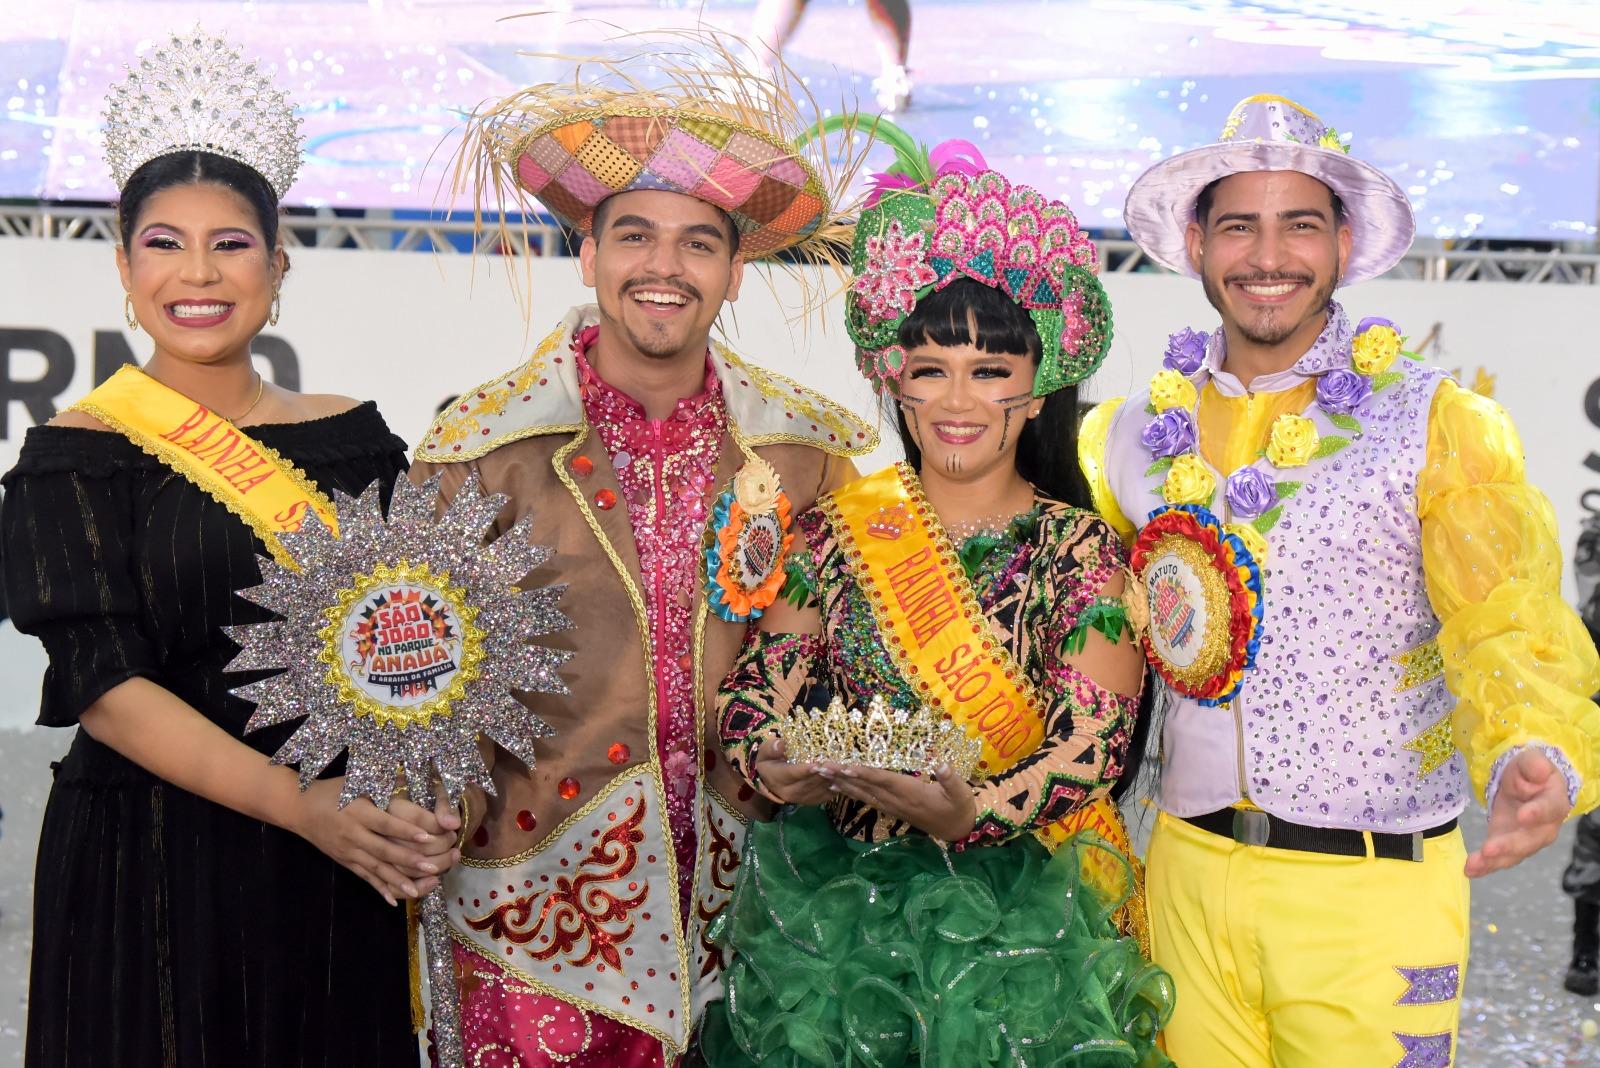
x=200, y=272
x=965, y=408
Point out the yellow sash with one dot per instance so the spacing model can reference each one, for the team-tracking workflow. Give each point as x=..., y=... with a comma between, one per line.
x=929, y=616
x=251, y=480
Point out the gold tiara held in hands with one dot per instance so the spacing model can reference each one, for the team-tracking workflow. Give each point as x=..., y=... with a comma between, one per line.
x=880, y=737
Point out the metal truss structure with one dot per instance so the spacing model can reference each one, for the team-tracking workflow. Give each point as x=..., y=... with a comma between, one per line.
x=1540, y=263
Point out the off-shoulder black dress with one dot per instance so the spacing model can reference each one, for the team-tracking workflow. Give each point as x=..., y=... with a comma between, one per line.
x=170, y=931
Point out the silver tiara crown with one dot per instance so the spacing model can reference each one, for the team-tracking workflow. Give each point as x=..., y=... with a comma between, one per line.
x=195, y=94
x=881, y=737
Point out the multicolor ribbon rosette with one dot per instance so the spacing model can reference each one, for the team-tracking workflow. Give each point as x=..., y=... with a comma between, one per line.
x=749, y=543
x=1203, y=588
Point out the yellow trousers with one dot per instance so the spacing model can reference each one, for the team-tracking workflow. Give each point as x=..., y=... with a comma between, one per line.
x=1284, y=959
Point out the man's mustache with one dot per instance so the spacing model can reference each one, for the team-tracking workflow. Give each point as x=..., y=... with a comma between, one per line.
x=1268, y=278
x=683, y=288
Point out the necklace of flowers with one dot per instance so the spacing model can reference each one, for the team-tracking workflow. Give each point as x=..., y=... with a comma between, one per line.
x=1252, y=495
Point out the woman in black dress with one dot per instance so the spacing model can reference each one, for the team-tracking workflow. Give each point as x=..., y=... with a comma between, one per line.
x=192, y=905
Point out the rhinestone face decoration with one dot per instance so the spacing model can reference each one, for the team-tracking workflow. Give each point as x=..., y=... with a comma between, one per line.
x=195, y=94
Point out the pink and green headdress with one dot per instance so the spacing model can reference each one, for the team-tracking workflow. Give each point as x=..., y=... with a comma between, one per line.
x=941, y=215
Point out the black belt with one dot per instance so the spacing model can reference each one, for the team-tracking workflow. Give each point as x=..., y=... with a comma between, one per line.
x=1250, y=827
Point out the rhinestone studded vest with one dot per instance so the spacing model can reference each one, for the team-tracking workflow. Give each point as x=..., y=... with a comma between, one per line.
x=1332, y=726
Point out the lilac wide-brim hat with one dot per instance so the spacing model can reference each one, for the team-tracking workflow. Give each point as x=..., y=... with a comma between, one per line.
x=1271, y=133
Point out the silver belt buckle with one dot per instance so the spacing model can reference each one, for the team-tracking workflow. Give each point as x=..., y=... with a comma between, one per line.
x=1251, y=827
x=1416, y=846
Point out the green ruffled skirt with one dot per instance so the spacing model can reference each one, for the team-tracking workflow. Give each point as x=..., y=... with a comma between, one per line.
x=900, y=953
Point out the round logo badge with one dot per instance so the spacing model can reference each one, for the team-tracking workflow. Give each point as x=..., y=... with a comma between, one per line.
x=759, y=550
x=1203, y=591
x=400, y=644
x=1178, y=613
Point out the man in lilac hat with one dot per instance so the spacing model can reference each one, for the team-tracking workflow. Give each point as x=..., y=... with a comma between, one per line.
x=1354, y=605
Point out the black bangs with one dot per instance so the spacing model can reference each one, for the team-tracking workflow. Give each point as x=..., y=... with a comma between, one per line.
x=967, y=312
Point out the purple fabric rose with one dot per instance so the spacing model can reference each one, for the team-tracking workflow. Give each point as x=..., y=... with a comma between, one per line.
x=1373, y=320
x=1341, y=391
x=1250, y=492
x=1186, y=351
x=1169, y=433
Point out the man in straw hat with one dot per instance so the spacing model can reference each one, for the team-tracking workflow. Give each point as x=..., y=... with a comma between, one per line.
x=1355, y=610
x=635, y=443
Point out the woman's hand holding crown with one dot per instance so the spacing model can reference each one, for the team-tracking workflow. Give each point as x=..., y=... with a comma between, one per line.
x=940, y=805
x=793, y=784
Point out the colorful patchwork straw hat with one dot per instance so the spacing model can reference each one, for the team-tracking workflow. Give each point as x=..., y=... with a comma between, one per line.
x=942, y=215
x=1270, y=133
x=706, y=126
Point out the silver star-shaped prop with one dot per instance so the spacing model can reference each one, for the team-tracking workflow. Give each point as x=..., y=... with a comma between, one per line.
x=401, y=643
x=382, y=739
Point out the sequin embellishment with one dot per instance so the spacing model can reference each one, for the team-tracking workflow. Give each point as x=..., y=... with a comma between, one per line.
x=1430, y=985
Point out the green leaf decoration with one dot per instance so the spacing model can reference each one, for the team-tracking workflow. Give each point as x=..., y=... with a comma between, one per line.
x=975, y=550
x=1345, y=422
x=1288, y=489
x=797, y=588
x=1385, y=380
x=1330, y=445
x=911, y=156
x=1107, y=615
x=1268, y=519
x=1150, y=408
x=1158, y=467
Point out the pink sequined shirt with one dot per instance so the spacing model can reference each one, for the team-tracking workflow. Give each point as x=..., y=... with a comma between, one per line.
x=666, y=468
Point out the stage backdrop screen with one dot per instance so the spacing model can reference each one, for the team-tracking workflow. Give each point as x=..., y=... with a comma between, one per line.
x=1487, y=113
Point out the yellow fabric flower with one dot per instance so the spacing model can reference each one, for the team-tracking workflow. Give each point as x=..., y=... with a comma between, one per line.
x=1169, y=389
x=1188, y=481
x=1374, y=349
x=1330, y=139
x=1293, y=441
x=755, y=487
x=1253, y=540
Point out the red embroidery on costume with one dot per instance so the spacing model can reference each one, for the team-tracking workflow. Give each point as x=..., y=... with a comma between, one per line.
x=580, y=908
x=724, y=868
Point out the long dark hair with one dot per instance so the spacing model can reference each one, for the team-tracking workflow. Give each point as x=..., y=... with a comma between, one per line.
x=967, y=312
x=193, y=168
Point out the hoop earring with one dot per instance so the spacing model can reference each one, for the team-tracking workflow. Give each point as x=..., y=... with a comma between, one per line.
x=127, y=312
x=272, y=320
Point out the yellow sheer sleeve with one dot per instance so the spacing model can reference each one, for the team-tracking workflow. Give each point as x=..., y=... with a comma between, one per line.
x=1517, y=657
x=1092, y=437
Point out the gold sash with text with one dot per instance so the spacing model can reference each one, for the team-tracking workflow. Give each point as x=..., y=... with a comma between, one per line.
x=929, y=615
x=251, y=480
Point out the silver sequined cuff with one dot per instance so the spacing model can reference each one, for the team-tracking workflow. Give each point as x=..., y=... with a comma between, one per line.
x=1556, y=757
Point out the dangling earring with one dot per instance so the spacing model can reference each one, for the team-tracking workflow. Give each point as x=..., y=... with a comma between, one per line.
x=127, y=311
x=272, y=320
